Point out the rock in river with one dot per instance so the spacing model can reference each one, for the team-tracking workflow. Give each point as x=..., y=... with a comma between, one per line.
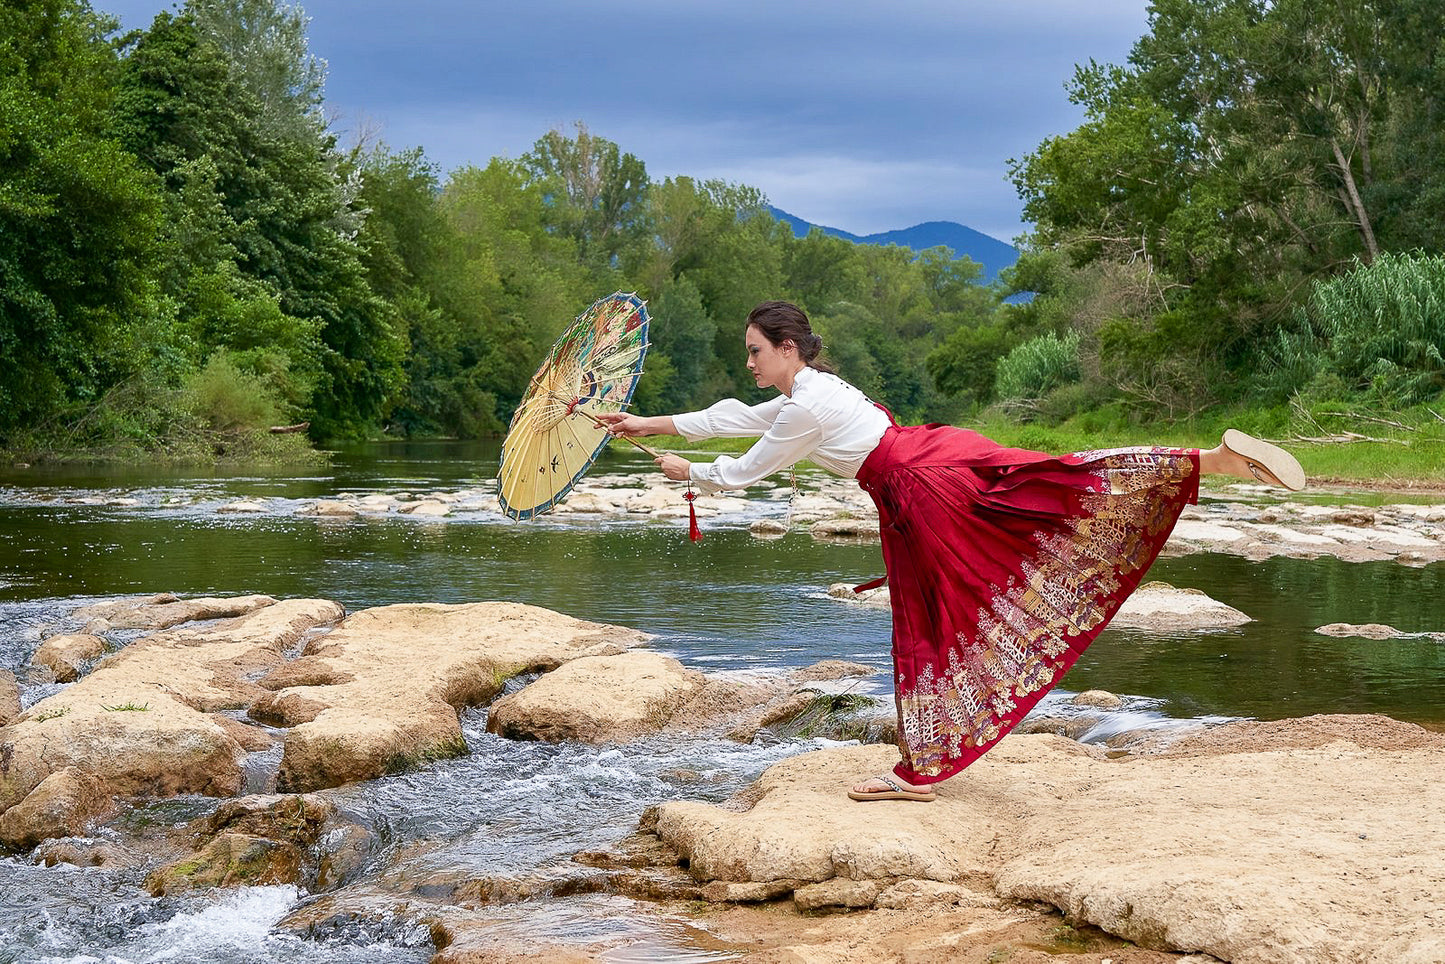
x=65, y=655
x=597, y=699
x=1161, y=607
x=140, y=723
x=380, y=693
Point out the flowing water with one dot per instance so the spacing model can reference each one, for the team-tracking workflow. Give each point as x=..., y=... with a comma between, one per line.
x=731, y=603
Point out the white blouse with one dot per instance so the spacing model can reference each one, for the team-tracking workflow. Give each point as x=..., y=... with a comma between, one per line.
x=825, y=419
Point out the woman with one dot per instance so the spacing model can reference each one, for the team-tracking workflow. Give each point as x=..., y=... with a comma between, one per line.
x=1003, y=564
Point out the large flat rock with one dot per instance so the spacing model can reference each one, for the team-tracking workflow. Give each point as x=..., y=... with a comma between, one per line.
x=380, y=693
x=598, y=699
x=140, y=723
x=1308, y=840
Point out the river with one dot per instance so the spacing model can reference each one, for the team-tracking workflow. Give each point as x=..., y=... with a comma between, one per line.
x=730, y=603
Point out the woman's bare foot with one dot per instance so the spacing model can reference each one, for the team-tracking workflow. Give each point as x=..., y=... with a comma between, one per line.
x=1246, y=457
x=888, y=786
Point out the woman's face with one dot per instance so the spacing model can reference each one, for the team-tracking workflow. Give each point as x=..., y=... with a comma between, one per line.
x=769, y=363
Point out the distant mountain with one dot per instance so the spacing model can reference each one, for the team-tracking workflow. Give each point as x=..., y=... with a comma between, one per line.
x=992, y=253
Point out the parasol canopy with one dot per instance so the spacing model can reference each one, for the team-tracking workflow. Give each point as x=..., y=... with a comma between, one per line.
x=554, y=436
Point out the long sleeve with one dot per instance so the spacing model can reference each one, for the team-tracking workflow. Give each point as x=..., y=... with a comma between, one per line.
x=729, y=418
x=791, y=436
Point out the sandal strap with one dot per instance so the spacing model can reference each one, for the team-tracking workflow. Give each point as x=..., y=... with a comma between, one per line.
x=890, y=783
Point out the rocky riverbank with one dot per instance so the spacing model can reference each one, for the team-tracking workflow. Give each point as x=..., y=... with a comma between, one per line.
x=1300, y=840
x=1240, y=519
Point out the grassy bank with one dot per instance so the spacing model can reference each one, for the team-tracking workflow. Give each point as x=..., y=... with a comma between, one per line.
x=256, y=448
x=1332, y=442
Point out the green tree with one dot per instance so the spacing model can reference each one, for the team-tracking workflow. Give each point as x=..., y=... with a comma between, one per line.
x=595, y=192
x=513, y=286
x=266, y=193
x=79, y=307
x=684, y=333
x=1246, y=148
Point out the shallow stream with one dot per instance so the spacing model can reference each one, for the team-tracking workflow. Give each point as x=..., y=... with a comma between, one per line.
x=730, y=603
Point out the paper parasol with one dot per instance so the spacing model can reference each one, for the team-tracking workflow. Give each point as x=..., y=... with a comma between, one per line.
x=555, y=436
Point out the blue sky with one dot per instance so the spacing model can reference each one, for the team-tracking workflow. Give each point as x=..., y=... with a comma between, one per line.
x=866, y=116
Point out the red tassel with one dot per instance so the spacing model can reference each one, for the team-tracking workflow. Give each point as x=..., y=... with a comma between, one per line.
x=693, y=532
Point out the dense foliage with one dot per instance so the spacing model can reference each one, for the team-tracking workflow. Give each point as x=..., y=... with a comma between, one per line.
x=1253, y=209
x=181, y=232
x=1194, y=231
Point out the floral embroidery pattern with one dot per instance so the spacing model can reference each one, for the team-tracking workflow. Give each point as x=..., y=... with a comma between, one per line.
x=1036, y=624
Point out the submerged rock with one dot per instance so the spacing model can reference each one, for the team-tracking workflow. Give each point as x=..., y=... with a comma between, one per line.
x=247, y=506
x=597, y=699
x=1372, y=631
x=1161, y=607
x=267, y=839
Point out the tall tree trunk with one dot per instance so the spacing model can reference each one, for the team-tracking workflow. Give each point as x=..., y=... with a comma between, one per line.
x=1362, y=217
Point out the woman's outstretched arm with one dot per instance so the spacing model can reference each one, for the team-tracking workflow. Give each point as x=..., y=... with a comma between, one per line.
x=625, y=423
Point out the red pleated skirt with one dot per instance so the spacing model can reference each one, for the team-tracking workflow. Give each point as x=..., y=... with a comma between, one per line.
x=1003, y=566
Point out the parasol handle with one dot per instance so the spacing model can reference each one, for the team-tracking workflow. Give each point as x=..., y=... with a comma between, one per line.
x=626, y=438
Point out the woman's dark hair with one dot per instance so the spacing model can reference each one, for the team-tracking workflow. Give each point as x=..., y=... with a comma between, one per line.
x=780, y=321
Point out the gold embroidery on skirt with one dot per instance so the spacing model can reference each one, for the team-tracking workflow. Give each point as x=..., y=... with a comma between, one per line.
x=1023, y=634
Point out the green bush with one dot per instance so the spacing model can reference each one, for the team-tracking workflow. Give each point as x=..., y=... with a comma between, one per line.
x=228, y=399
x=966, y=364
x=1038, y=366
x=1379, y=329
x=1076, y=398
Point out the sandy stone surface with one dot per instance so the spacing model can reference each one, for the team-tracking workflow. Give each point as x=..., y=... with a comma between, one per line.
x=9, y=697
x=597, y=699
x=1161, y=607
x=140, y=723
x=65, y=655
x=381, y=692
x=111, y=607
x=60, y=806
x=1306, y=840
x=167, y=614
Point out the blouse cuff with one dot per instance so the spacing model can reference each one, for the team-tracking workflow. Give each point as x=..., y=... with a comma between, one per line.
x=692, y=425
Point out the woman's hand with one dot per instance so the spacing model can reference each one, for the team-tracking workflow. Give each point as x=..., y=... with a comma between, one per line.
x=675, y=467
x=625, y=423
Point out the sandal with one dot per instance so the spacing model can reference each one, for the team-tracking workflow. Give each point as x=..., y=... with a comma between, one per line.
x=895, y=792
x=1270, y=464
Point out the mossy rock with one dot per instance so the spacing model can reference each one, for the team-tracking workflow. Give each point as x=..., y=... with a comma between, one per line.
x=232, y=859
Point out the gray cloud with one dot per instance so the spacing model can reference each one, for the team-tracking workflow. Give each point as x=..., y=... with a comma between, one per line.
x=863, y=115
